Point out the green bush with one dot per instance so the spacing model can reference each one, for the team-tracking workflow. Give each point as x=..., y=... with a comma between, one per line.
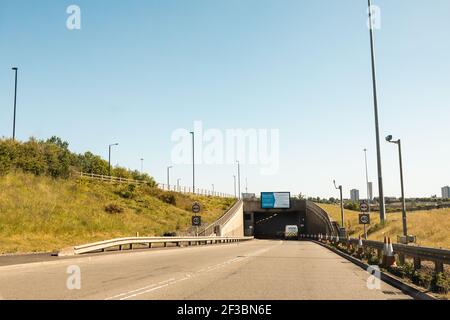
x=113, y=208
x=440, y=283
x=52, y=157
x=421, y=279
x=168, y=197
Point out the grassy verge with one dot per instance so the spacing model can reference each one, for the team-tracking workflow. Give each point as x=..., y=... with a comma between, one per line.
x=431, y=227
x=39, y=213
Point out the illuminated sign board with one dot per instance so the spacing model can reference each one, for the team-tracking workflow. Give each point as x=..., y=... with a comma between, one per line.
x=275, y=200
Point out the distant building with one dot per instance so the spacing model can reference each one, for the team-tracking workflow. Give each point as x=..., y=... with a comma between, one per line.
x=370, y=187
x=354, y=195
x=446, y=192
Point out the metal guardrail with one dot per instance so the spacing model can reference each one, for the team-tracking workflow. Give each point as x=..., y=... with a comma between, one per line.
x=120, y=242
x=438, y=256
x=162, y=186
x=209, y=229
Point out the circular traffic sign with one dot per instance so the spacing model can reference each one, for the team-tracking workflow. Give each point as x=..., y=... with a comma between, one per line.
x=196, y=221
x=364, y=219
x=196, y=207
x=364, y=207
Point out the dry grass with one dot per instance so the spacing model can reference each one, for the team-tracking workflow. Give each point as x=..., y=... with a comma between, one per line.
x=432, y=227
x=43, y=214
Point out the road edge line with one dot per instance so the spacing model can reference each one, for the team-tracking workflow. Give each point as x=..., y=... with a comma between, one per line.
x=415, y=293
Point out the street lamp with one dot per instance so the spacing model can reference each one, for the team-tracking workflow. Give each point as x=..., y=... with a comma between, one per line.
x=142, y=166
x=367, y=179
x=193, y=163
x=109, y=157
x=377, y=129
x=342, y=202
x=15, y=101
x=234, y=177
x=398, y=142
x=239, y=178
x=168, y=177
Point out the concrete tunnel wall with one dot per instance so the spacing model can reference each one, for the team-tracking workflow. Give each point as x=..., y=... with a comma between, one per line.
x=235, y=226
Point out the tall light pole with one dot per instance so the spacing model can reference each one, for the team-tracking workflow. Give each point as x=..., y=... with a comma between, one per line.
x=234, y=177
x=399, y=143
x=377, y=129
x=239, y=178
x=168, y=176
x=342, y=203
x=15, y=102
x=109, y=157
x=193, y=162
x=367, y=178
x=142, y=166
x=246, y=185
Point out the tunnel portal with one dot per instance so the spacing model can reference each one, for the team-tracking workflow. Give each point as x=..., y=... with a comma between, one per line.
x=270, y=223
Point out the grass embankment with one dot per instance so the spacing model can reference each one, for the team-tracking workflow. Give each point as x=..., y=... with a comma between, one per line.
x=431, y=227
x=39, y=213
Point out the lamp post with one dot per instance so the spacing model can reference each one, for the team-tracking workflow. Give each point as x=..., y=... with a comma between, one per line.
x=193, y=163
x=168, y=177
x=239, y=178
x=367, y=178
x=109, y=157
x=399, y=144
x=367, y=187
x=377, y=129
x=142, y=166
x=234, y=178
x=342, y=202
x=15, y=102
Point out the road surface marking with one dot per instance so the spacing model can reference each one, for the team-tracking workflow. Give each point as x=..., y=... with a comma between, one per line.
x=166, y=283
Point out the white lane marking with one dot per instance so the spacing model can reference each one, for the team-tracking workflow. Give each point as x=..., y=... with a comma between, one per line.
x=166, y=283
x=143, y=288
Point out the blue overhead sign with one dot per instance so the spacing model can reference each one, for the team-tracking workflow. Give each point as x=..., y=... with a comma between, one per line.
x=275, y=200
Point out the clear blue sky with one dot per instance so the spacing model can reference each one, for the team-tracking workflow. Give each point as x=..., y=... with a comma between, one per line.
x=138, y=70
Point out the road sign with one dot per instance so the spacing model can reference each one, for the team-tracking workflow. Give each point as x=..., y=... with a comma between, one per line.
x=196, y=221
x=363, y=206
x=196, y=208
x=364, y=218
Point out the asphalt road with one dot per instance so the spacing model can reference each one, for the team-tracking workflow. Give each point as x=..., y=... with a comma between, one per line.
x=258, y=269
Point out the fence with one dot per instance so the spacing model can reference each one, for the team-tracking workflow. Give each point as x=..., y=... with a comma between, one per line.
x=438, y=256
x=162, y=186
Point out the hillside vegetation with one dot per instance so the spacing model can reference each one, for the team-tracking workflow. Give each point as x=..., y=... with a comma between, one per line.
x=432, y=227
x=53, y=158
x=39, y=213
x=43, y=209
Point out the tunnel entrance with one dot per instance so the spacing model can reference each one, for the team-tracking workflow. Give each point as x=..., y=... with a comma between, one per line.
x=271, y=225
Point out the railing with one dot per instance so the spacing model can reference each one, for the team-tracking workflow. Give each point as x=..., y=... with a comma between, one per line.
x=148, y=241
x=438, y=256
x=162, y=186
x=208, y=230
